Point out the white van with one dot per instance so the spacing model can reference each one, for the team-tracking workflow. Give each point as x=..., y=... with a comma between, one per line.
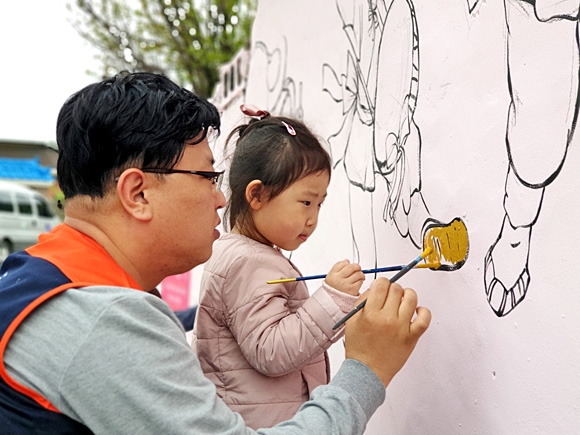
x=24, y=214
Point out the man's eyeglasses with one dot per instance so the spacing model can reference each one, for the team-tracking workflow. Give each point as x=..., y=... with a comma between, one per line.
x=215, y=177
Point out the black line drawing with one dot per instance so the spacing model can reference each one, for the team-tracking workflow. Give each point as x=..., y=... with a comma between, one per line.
x=378, y=140
x=471, y=5
x=283, y=89
x=543, y=71
x=287, y=94
x=379, y=92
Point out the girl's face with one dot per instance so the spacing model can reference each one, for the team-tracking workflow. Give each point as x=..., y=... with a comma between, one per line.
x=290, y=218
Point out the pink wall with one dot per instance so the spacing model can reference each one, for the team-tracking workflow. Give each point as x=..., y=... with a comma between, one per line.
x=429, y=120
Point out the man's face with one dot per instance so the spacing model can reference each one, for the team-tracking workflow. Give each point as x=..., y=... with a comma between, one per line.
x=186, y=211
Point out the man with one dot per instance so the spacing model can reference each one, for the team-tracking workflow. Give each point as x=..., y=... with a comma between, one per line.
x=87, y=348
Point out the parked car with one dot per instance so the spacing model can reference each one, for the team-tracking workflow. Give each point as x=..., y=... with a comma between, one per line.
x=24, y=214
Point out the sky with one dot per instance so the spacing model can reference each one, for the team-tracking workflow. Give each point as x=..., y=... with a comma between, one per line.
x=42, y=62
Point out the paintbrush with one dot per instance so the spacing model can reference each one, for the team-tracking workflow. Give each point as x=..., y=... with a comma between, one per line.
x=376, y=270
x=403, y=271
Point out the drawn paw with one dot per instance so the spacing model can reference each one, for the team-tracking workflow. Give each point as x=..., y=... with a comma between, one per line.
x=506, y=273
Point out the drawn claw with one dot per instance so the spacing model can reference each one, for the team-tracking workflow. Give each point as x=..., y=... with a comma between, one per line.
x=501, y=299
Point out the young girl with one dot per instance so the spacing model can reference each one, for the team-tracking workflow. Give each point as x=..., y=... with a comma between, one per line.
x=264, y=345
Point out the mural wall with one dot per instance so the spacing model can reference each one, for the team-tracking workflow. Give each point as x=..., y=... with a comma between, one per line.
x=451, y=125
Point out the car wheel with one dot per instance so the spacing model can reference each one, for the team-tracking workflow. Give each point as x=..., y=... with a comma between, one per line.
x=5, y=249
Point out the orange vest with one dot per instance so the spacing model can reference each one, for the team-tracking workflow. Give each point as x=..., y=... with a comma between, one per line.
x=62, y=259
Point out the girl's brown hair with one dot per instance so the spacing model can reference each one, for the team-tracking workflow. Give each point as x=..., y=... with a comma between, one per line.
x=276, y=150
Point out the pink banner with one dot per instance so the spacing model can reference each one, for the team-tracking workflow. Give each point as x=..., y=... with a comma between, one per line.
x=175, y=290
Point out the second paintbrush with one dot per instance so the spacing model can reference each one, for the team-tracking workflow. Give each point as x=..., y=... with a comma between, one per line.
x=403, y=271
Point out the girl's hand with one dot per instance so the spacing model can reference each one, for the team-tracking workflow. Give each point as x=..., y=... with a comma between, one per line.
x=346, y=277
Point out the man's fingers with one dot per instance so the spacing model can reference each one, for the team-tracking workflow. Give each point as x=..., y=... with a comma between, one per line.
x=421, y=322
x=408, y=304
x=377, y=294
x=396, y=303
x=407, y=310
x=393, y=302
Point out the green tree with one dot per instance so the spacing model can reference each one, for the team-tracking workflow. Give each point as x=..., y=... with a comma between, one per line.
x=187, y=40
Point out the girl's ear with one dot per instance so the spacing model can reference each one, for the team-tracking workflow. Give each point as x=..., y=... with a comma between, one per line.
x=254, y=191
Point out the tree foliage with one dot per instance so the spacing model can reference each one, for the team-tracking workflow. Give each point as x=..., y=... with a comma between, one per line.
x=187, y=40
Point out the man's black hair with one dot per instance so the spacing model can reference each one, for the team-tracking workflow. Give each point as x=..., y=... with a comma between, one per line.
x=140, y=119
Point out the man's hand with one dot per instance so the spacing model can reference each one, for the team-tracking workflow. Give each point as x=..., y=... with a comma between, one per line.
x=383, y=334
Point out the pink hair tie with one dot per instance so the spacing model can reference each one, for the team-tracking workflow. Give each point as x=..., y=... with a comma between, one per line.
x=289, y=128
x=253, y=111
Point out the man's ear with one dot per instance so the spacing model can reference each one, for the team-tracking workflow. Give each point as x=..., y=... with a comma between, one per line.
x=254, y=194
x=132, y=192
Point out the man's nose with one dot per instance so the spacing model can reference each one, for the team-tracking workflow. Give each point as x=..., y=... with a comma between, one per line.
x=221, y=198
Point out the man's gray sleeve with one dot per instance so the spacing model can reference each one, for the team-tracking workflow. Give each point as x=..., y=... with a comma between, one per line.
x=344, y=406
x=122, y=365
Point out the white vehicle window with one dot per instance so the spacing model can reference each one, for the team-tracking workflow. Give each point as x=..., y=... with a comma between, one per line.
x=6, y=202
x=42, y=207
x=24, y=204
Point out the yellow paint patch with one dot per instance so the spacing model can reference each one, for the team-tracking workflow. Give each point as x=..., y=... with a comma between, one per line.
x=450, y=244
